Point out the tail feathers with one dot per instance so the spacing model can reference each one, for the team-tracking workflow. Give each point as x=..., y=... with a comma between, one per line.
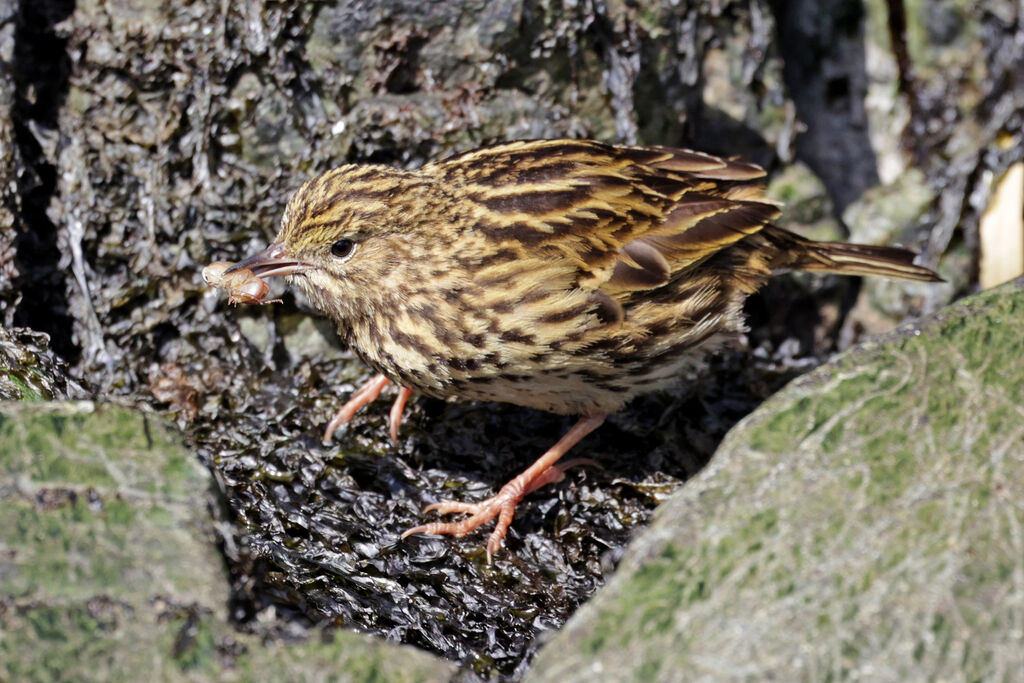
x=862, y=259
x=799, y=253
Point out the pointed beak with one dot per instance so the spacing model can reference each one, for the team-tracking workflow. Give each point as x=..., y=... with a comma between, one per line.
x=270, y=262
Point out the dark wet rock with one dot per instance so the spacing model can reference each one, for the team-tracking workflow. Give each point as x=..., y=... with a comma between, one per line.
x=30, y=371
x=10, y=163
x=864, y=520
x=110, y=570
x=822, y=46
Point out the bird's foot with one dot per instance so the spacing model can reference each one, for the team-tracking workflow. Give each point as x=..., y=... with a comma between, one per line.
x=502, y=506
x=397, y=410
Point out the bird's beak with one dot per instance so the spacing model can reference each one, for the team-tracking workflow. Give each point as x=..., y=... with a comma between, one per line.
x=270, y=262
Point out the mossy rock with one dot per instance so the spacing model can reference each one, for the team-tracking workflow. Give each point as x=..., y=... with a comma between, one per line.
x=109, y=569
x=866, y=522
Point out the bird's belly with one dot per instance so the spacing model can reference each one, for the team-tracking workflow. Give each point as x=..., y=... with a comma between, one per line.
x=554, y=393
x=580, y=385
x=552, y=381
x=598, y=373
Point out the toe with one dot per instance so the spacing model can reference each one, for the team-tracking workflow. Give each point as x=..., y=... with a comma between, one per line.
x=447, y=507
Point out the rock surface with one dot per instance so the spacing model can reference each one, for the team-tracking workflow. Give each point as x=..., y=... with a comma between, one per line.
x=30, y=371
x=110, y=571
x=864, y=523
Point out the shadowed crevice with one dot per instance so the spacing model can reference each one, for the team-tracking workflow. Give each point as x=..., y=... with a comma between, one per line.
x=822, y=45
x=41, y=71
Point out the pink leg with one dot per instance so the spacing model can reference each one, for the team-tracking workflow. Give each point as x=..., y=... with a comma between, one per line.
x=503, y=505
x=367, y=393
x=396, y=411
x=556, y=473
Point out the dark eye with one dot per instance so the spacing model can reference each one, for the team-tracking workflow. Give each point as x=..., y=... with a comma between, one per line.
x=342, y=248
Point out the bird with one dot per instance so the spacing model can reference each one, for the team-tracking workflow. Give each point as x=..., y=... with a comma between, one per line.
x=568, y=276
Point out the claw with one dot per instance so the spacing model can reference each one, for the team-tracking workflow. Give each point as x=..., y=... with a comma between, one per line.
x=502, y=506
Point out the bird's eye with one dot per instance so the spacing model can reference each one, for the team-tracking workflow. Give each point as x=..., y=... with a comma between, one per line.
x=342, y=248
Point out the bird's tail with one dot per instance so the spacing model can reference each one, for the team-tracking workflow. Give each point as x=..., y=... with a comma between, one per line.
x=799, y=253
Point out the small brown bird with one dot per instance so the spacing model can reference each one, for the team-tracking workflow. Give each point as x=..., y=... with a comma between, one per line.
x=565, y=275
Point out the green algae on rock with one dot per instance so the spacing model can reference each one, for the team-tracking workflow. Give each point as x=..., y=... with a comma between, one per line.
x=109, y=569
x=864, y=521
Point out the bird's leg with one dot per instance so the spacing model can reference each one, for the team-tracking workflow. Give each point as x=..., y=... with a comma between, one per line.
x=503, y=505
x=367, y=393
x=396, y=411
x=556, y=473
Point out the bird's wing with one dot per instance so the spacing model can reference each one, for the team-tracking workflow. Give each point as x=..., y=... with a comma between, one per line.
x=620, y=219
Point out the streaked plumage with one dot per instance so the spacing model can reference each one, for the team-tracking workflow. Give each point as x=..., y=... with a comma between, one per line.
x=564, y=275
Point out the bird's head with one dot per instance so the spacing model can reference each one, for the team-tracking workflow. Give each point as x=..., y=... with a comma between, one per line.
x=346, y=237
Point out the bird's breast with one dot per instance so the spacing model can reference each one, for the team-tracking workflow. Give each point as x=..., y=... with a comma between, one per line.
x=462, y=341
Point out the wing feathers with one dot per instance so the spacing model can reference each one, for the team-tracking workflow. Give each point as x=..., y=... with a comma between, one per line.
x=690, y=233
x=697, y=164
x=718, y=228
x=626, y=218
x=640, y=266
